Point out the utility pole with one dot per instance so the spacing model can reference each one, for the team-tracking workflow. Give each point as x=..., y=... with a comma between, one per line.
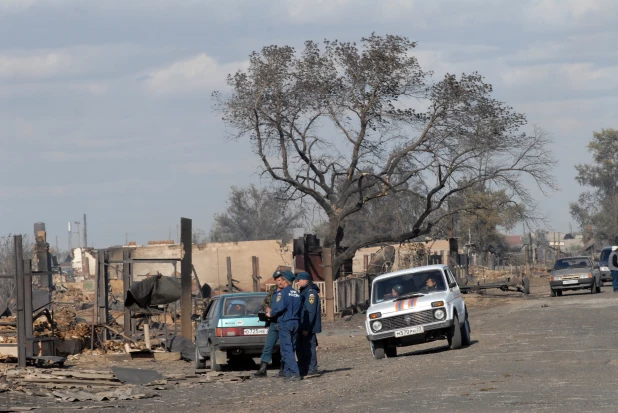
x=57, y=245
x=70, y=239
x=85, y=233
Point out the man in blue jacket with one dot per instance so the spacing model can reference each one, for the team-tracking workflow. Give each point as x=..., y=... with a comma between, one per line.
x=273, y=327
x=287, y=311
x=310, y=324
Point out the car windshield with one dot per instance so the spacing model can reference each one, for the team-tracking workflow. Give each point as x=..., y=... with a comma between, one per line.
x=424, y=282
x=242, y=306
x=605, y=255
x=568, y=263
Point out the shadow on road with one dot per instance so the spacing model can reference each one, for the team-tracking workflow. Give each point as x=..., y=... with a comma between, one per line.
x=335, y=370
x=434, y=350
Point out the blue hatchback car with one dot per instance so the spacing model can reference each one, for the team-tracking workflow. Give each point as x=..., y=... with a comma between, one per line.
x=231, y=329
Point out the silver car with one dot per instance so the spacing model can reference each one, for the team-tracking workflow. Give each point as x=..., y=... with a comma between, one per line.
x=574, y=273
x=606, y=274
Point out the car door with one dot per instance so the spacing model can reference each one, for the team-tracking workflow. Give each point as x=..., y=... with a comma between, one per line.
x=207, y=326
x=455, y=295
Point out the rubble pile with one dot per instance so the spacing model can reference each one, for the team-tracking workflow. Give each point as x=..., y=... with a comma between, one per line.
x=66, y=385
x=8, y=333
x=480, y=273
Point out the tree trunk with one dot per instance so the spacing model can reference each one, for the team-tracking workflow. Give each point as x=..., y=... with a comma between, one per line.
x=328, y=281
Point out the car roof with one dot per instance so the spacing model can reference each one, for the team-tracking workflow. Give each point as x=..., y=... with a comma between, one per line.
x=613, y=247
x=410, y=271
x=580, y=257
x=247, y=294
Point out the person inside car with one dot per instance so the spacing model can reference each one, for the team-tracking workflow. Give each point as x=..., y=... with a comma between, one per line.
x=396, y=291
x=236, y=307
x=433, y=283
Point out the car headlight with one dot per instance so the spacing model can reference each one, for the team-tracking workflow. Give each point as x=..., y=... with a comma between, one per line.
x=376, y=325
x=556, y=278
x=585, y=275
x=439, y=314
x=604, y=268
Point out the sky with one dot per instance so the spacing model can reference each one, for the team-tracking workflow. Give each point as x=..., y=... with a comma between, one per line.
x=106, y=109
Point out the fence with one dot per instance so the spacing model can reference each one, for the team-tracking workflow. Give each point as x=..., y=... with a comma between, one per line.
x=351, y=292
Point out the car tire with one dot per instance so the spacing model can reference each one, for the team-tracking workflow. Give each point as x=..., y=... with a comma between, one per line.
x=559, y=293
x=465, y=333
x=552, y=292
x=200, y=362
x=454, y=340
x=214, y=366
x=377, y=349
x=391, y=351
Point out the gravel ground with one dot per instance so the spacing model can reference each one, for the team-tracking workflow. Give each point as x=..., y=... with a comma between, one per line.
x=529, y=354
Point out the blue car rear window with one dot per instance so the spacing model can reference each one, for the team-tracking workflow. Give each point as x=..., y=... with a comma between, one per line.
x=242, y=306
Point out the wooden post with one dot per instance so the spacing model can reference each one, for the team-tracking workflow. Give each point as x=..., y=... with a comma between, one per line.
x=327, y=262
x=186, y=269
x=126, y=284
x=230, y=284
x=147, y=334
x=255, y=261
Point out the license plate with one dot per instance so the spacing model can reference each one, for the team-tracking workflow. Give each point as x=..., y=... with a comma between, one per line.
x=255, y=331
x=570, y=282
x=408, y=331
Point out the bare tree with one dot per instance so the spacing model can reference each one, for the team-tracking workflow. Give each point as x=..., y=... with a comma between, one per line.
x=254, y=214
x=345, y=125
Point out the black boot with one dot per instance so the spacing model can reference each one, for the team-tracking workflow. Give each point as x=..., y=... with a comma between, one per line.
x=280, y=374
x=261, y=371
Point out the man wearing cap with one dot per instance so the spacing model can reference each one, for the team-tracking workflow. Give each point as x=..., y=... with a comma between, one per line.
x=310, y=324
x=287, y=310
x=273, y=327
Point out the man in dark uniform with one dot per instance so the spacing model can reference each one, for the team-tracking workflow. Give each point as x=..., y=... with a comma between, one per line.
x=310, y=324
x=287, y=310
x=273, y=327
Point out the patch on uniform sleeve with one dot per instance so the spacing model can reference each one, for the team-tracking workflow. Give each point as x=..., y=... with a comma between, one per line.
x=311, y=298
x=278, y=297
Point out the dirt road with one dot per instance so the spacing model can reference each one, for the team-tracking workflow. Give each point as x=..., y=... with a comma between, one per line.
x=535, y=354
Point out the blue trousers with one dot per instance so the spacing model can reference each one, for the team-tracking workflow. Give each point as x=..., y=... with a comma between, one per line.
x=306, y=351
x=271, y=340
x=288, y=332
x=615, y=280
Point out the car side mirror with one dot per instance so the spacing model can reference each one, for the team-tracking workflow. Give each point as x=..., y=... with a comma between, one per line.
x=195, y=317
x=452, y=285
x=549, y=270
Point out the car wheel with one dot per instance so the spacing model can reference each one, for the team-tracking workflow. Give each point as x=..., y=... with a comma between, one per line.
x=200, y=363
x=553, y=292
x=391, y=351
x=455, y=339
x=465, y=333
x=593, y=287
x=377, y=349
x=559, y=293
x=214, y=366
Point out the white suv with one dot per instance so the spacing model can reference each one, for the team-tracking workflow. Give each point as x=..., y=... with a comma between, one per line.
x=416, y=306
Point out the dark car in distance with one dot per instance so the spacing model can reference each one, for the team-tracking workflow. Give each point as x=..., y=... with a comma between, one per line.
x=574, y=273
